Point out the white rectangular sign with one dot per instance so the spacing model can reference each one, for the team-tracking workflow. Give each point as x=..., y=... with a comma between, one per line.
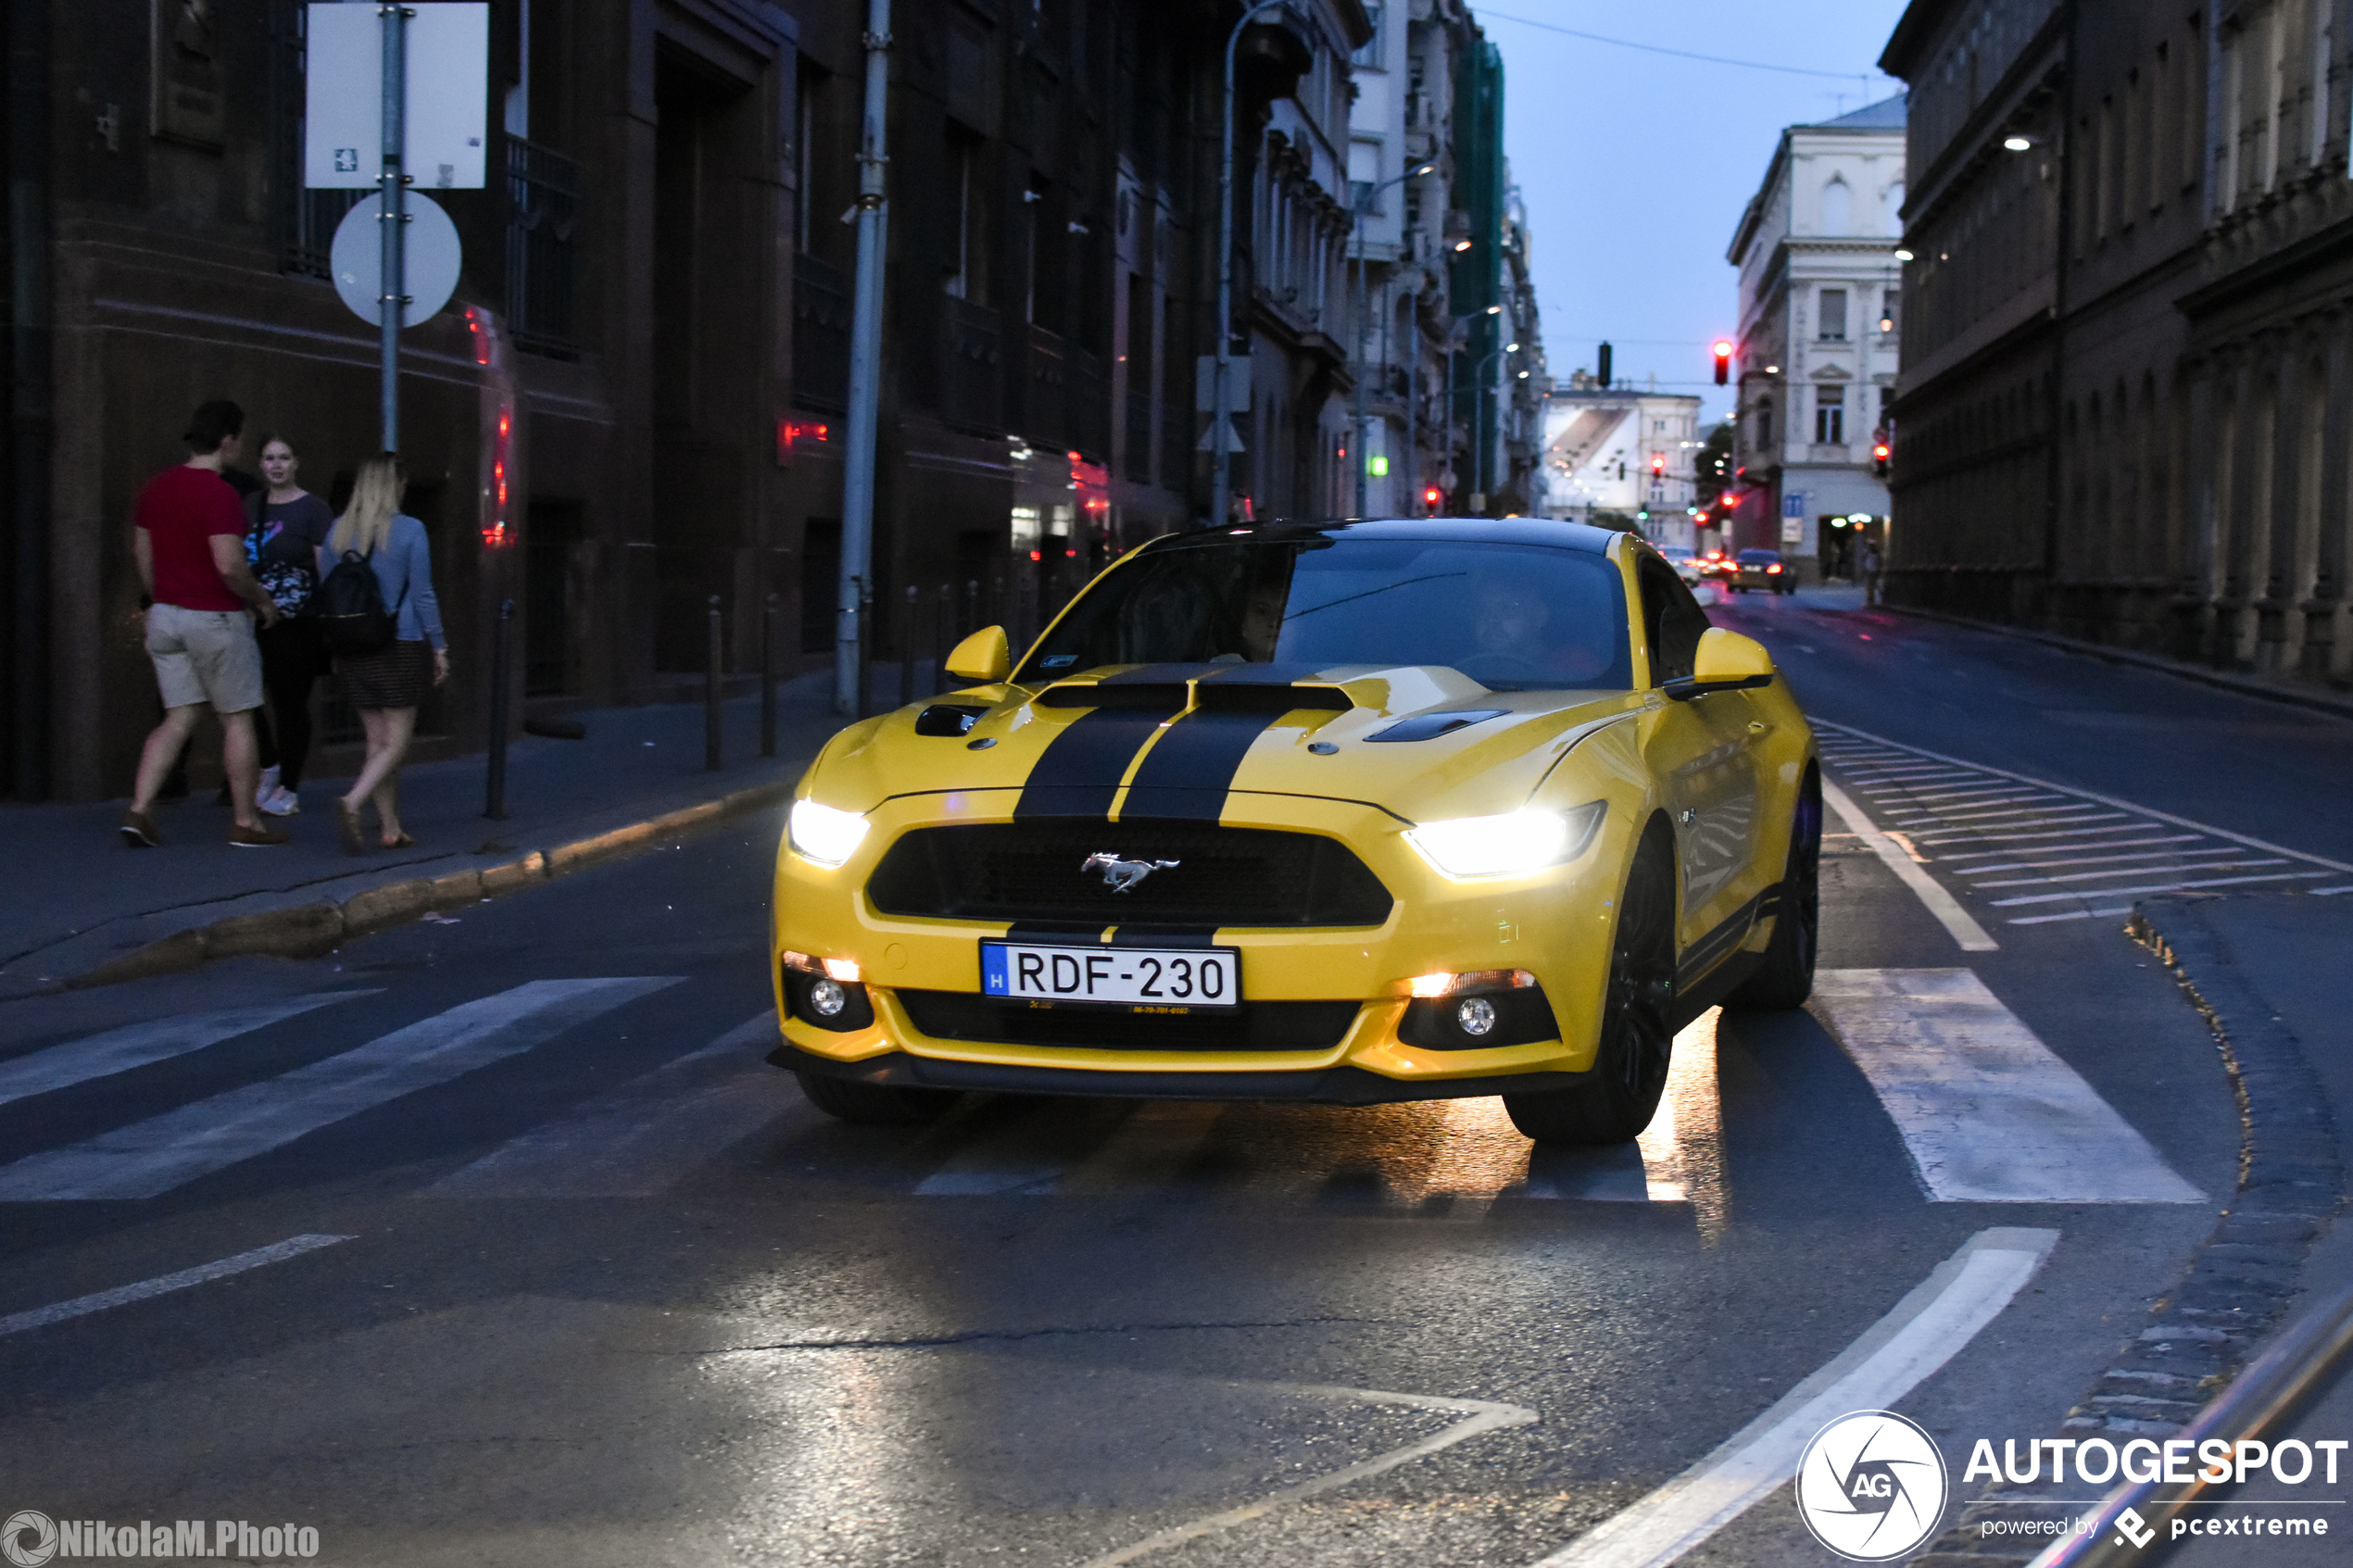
x=447, y=125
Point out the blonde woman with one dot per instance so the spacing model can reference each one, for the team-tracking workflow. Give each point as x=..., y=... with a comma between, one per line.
x=386, y=685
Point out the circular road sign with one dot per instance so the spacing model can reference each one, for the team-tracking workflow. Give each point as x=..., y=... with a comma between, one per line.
x=429, y=265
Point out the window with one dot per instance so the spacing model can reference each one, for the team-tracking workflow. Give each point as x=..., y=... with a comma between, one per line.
x=1830, y=415
x=1764, y=426
x=1834, y=315
x=1672, y=622
x=1370, y=54
x=965, y=267
x=1838, y=207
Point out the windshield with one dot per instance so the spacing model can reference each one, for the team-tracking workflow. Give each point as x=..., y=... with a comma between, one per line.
x=1758, y=557
x=1510, y=617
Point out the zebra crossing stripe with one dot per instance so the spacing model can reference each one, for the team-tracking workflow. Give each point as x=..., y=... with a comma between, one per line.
x=640, y=1139
x=1987, y=1113
x=162, y=1152
x=136, y=1045
x=1972, y=937
x=162, y=1285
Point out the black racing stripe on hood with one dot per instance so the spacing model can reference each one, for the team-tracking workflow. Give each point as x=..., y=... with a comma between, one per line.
x=1078, y=773
x=1188, y=774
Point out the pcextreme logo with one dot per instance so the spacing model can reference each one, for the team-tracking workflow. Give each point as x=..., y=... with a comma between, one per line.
x=1871, y=1486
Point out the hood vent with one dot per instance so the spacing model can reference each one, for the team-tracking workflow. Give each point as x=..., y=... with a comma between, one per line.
x=1429, y=726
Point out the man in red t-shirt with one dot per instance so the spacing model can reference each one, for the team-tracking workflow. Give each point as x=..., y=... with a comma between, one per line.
x=189, y=539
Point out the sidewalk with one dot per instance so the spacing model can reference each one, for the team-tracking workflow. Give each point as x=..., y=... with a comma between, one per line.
x=92, y=909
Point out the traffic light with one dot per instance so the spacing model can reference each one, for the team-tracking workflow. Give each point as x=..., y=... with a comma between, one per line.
x=1658, y=465
x=1431, y=496
x=1602, y=365
x=1723, y=361
x=1880, y=455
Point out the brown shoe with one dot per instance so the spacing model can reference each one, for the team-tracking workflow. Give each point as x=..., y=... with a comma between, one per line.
x=139, y=831
x=257, y=837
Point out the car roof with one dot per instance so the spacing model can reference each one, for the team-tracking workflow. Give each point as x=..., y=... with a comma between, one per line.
x=1760, y=555
x=1468, y=530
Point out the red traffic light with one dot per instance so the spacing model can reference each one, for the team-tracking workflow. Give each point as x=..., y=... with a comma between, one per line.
x=1723, y=361
x=1432, y=495
x=1658, y=464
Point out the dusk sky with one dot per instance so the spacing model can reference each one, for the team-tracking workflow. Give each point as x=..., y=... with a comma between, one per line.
x=1635, y=165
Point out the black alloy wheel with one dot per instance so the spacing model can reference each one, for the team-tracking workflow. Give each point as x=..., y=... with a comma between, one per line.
x=1629, y=1065
x=1786, y=977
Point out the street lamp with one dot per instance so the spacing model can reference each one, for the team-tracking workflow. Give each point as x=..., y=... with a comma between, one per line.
x=1220, y=431
x=1479, y=458
x=1363, y=204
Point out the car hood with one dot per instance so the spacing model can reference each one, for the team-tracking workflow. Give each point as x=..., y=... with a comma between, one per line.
x=1420, y=741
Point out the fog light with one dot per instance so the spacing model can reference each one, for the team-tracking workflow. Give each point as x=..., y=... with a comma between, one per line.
x=827, y=998
x=1476, y=1015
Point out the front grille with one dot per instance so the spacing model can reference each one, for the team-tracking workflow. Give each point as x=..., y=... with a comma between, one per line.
x=1031, y=873
x=1253, y=1027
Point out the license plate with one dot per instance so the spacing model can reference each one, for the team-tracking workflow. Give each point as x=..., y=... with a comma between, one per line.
x=1132, y=977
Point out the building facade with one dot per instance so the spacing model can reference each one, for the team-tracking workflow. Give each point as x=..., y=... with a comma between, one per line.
x=2127, y=367
x=1621, y=458
x=632, y=405
x=1819, y=304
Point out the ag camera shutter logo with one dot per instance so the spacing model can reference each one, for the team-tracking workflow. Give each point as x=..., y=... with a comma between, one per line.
x=1871, y=1486
x=29, y=1538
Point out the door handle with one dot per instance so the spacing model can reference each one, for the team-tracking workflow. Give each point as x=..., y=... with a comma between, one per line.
x=1758, y=727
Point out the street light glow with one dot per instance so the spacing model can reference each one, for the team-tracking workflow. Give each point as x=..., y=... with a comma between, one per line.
x=2015, y=144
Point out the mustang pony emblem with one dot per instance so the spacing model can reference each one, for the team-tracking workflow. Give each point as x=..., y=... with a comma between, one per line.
x=1121, y=875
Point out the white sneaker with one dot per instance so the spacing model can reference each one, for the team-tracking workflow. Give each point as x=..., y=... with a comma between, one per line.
x=281, y=802
x=269, y=785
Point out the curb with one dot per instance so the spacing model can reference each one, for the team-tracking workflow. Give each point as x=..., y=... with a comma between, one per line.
x=2241, y=1278
x=2316, y=698
x=307, y=931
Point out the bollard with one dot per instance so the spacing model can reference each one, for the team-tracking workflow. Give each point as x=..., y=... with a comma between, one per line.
x=713, y=713
x=493, y=800
x=768, y=677
x=907, y=649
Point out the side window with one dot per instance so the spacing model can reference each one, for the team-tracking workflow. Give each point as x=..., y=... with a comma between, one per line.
x=1672, y=621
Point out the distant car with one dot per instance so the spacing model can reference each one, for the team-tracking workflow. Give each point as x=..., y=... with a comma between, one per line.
x=1684, y=560
x=1760, y=569
x=1713, y=566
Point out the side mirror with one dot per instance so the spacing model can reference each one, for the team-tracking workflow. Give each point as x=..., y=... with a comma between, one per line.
x=1727, y=662
x=984, y=657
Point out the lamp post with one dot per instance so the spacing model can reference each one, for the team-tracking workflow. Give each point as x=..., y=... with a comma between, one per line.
x=1220, y=431
x=1454, y=333
x=1363, y=204
x=1478, y=459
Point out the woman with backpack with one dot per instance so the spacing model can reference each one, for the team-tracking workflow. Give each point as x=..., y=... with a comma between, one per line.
x=377, y=613
x=289, y=528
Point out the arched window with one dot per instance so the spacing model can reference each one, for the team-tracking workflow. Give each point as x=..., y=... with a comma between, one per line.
x=1838, y=207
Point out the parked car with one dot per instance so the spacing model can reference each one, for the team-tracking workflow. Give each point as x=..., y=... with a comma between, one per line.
x=1351, y=813
x=1761, y=569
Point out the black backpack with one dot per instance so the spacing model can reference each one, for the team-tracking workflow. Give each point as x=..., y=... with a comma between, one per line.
x=349, y=608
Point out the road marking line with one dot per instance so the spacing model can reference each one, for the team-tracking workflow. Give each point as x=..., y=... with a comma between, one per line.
x=1926, y=1329
x=2152, y=887
x=2014, y=792
x=2072, y=914
x=162, y=1152
x=1971, y=936
x=1988, y=1112
x=2042, y=815
x=162, y=1285
x=1481, y=1416
x=1151, y=1150
x=2327, y=892
x=1973, y=872
x=2247, y=840
x=136, y=1045
x=2064, y=849
x=642, y=1137
x=2076, y=829
x=2140, y=871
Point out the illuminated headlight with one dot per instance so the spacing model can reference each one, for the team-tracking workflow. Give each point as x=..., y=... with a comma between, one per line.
x=823, y=835
x=1510, y=845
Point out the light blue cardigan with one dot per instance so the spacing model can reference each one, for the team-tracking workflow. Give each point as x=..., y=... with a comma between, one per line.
x=404, y=564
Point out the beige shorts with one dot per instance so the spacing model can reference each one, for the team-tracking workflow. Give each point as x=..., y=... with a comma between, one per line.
x=205, y=656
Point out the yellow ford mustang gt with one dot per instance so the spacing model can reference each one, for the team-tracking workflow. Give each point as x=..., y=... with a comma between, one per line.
x=1352, y=813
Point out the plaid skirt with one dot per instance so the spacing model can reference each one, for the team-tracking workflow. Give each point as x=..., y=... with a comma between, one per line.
x=396, y=675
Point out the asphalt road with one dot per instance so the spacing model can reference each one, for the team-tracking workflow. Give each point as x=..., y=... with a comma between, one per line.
x=605, y=1290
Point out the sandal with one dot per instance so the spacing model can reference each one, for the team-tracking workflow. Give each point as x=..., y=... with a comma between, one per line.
x=402, y=842
x=348, y=828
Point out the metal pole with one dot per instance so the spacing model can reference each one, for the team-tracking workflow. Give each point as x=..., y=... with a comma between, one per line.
x=494, y=801
x=1364, y=309
x=1413, y=399
x=865, y=376
x=713, y=714
x=1221, y=467
x=768, y=677
x=394, y=216
x=30, y=353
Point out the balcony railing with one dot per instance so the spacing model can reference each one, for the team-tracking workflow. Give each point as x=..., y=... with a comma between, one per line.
x=821, y=313
x=971, y=368
x=543, y=216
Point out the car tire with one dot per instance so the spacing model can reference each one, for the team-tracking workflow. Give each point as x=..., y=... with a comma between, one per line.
x=1786, y=977
x=874, y=1104
x=1629, y=1063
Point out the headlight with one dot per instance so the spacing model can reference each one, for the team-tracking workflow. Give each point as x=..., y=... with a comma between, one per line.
x=1511, y=844
x=823, y=835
